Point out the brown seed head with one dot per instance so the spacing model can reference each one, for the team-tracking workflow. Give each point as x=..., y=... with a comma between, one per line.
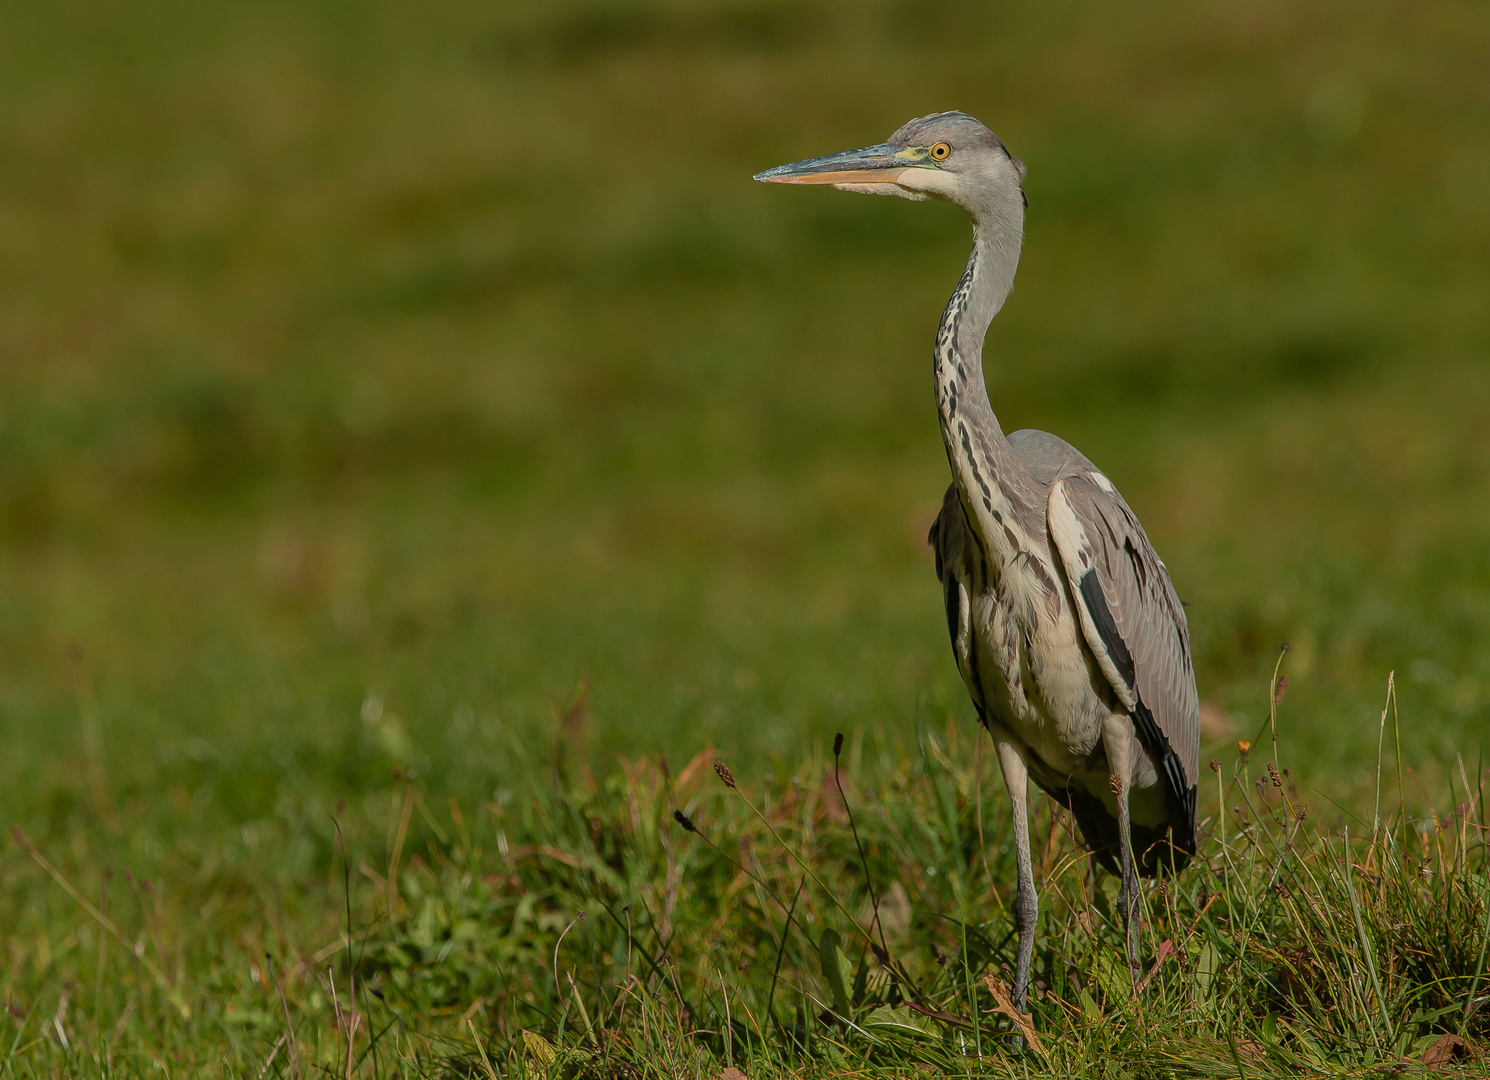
x=1215, y=765
x=1280, y=690
x=684, y=820
x=1115, y=784
x=724, y=774
x=1273, y=772
x=1301, y=813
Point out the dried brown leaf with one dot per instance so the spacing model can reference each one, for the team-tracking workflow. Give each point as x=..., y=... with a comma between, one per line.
x=1003, y=1004
x=1449, y=1050
x=1165, y=951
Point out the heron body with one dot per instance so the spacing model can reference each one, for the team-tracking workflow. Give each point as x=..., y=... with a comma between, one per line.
x=1064, y=624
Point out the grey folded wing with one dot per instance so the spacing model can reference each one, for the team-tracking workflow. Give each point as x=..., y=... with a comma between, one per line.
x=1135, y=626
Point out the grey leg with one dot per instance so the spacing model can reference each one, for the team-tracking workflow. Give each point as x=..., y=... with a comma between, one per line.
x=1118, y=738
x=1026, y=902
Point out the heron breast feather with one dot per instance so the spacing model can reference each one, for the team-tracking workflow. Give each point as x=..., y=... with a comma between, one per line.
x=1035, y=678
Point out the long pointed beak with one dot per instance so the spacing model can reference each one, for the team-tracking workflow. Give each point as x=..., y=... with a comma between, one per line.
x=881, y=164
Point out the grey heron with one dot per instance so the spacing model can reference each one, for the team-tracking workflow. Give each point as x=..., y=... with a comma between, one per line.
x=1064, y=623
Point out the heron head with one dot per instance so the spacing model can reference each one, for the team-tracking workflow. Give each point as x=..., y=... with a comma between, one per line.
x=945, y=156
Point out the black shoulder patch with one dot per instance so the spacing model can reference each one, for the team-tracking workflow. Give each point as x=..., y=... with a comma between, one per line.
x=1096, y=603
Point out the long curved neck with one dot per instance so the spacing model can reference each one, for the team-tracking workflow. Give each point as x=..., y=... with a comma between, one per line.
x=995, y=485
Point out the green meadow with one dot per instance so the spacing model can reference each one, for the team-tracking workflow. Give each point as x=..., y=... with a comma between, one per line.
x=424, y=451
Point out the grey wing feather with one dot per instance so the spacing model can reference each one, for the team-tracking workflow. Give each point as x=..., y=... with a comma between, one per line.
x=1046, y=456
x=1135, y=626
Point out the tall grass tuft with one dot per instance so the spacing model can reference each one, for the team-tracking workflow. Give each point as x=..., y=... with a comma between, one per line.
x=755, y=925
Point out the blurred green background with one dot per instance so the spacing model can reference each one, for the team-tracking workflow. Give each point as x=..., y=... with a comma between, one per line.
x=375, y=373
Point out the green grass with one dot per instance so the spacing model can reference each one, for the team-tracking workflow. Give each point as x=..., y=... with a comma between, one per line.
x=371, y=378
x=658, y=924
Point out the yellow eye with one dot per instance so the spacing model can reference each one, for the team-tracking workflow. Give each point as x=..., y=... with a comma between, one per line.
x=940, y=151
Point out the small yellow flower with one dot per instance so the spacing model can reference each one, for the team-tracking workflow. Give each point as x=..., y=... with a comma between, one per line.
x=1243, y=746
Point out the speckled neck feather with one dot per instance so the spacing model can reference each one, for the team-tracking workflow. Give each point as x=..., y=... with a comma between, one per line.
x=995, y=484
